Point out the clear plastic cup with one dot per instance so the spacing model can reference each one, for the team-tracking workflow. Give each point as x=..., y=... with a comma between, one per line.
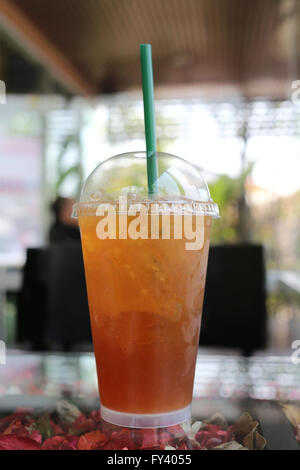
x=145, y=265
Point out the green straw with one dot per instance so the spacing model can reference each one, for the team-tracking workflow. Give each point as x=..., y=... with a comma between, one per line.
x=149, y=116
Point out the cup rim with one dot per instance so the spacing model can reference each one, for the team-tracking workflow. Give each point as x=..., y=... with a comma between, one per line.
x=167, y=206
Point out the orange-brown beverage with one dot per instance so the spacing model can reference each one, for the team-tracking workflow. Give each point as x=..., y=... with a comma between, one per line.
x=145, y=292
x=145, y=299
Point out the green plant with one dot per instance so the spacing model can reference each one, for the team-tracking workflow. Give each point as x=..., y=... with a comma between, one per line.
x=229, y=194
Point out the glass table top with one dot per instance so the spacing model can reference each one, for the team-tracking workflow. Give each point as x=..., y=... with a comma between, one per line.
x=266, y=387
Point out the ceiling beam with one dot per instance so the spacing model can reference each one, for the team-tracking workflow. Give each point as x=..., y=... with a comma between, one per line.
x=28, y=35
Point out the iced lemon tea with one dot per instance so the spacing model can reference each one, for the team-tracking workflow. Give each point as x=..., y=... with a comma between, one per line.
x=145, y=298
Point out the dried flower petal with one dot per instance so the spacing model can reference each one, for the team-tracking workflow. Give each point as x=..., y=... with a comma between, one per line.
x=72, y=430
x=297, y=432
x=150, y=439
x=292, y=413
x=13, y=442
x=95, y=415
x=82, y=425
x=67, y=412
x=129, y=438
x=243, y=426
x=92, y=440
x=56, y=429
x=60, y=443
x=211, y=436
x=218, y=420
x=232, y=445
x=7, y=420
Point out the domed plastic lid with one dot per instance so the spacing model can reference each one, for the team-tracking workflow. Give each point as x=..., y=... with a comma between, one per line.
x=126, y=174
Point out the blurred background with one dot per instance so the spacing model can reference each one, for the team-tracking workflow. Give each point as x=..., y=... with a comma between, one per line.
x=227, y=100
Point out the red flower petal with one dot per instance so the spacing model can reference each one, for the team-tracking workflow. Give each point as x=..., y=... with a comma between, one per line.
x=111, y=445
x=95, y=415
x=125, y=437
x=92, y=440
x=83, y=424
x=80, y=419
x=18, y=429
x=7, y=420
x=165, y=438
x=53, y=443
x=13, y=442
x=70, y=443
x=56, y=429
x=60, y=443
x=150, y=439
x=212, y=435
x=36, y=436
x=15, y=427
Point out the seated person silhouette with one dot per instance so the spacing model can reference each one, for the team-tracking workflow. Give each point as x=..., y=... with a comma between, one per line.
x=64, y=227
